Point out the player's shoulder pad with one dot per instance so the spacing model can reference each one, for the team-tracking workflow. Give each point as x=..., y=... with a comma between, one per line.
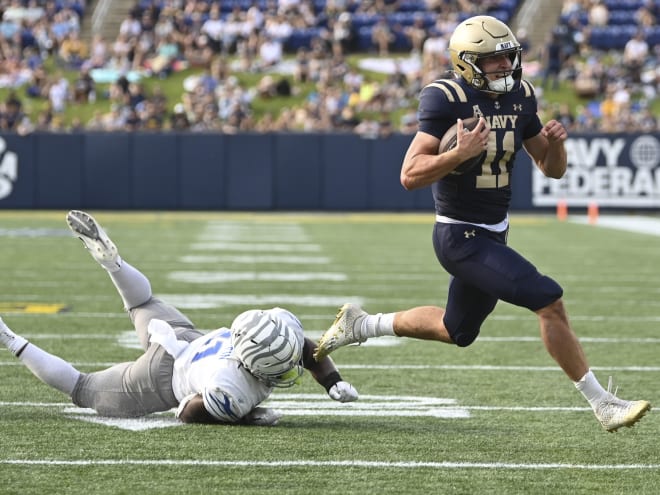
x=448, y=90
x=224, y=405
x=527, y=88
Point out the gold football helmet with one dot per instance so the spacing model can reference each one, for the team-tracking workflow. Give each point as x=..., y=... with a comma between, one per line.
x=480, y=37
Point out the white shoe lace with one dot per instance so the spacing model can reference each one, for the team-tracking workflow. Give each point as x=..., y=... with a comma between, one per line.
x=609, y=387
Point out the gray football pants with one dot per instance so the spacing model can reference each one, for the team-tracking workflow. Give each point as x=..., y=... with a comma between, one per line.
x=143, y=386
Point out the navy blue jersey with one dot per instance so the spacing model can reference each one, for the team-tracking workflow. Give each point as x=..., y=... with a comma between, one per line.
x=483, y=194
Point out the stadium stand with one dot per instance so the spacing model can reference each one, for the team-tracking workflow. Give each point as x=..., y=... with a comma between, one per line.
x=157, y=37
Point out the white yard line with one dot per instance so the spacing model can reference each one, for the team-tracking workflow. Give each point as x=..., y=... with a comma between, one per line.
x=351, y=464
x=630, y=223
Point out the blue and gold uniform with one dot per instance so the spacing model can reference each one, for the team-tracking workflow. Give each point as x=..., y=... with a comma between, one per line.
x=472, y=207
x=483, y=194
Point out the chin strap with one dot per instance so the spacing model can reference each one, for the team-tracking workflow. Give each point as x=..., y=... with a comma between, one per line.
x=502, y=85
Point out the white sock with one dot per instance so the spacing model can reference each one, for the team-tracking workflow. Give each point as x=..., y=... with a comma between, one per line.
x=377, y=325
x=592, y=390
x=50, y=369
x=112, y=266
x=133, y=286
x=15, y=343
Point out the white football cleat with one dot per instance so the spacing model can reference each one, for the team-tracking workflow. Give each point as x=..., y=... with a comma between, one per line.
x=15, y=343
x=613, y=413
x=345, y=330
x=97, y=242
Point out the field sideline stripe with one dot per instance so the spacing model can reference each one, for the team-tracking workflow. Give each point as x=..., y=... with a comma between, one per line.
x=317, y=334
x=279, y=405
x=393, y=367
x=345, y=463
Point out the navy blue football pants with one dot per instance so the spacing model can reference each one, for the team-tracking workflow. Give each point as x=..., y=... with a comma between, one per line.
x=484, y=270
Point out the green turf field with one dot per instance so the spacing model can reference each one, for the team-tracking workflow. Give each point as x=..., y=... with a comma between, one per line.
x=495, y=418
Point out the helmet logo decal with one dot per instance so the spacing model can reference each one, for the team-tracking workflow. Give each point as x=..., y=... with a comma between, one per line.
x=505, y=45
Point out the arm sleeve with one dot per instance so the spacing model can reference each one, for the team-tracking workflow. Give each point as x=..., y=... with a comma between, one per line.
x=434, y=112
x=223, y=405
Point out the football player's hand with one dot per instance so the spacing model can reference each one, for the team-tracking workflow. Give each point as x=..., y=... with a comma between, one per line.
x=554, y=131
x=472, y=142
x=262, y=416
x=343, y=392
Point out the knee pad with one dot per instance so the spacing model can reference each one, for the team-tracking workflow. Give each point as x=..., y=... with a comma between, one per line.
x=463, y=338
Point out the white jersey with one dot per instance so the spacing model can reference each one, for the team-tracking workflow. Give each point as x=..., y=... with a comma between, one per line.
x=207, y=367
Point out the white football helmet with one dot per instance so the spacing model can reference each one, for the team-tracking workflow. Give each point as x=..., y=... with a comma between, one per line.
x=479, y=37
x=269, y=346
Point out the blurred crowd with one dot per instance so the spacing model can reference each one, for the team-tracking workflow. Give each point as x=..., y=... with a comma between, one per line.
x=617, y=86
x=285, y=44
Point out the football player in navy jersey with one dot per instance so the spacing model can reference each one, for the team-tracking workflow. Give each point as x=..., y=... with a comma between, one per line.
x=220, y=376
x=472, y=204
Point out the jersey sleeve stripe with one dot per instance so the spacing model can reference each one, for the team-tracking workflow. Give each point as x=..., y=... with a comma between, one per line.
x=452, y=90
x=529, y=90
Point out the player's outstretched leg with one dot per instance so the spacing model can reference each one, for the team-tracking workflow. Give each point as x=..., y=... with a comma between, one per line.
x=97, y=242
x=613, y=413
x=346, y=329
x=133, y=286
x=15, y=343
x=50, y=369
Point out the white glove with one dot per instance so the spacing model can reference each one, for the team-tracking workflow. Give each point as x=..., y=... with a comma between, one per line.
x=162, y=333
x=343, y=392
x=262, y=416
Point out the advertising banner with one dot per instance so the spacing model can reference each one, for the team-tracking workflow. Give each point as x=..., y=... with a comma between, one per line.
x=615, y=170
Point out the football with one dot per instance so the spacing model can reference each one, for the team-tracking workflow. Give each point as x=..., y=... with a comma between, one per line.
x=448, y=142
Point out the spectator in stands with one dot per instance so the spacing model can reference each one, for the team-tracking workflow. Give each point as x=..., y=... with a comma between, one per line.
x=84, y=88
x=271, y=52
x=233, y=31
x=12, y=114
x=179, y=119
x=634, y=55
x=99, y=52
x=598, y=14
x=563, y=114
x=645, y=120
x=167, y=53
x=334, y=8
x=387, y=5
x=132, y=121
x=73, y=51
x=408, y=123
x=76, y=125
x=435, y=59
x=130, y=27
x=347, y=120
x=525, y=43
x=115, y=119
x=58, y=92
x=382, y=36
x=645, y=16
x=43, y=38
x=136, y=95
x=122, y=53
x=367, y=129
x=553, y=58
x=37, y=84
x=277, y=27
x=416, y=34
x=213, y=28
x=343, y=35
x=95, y=123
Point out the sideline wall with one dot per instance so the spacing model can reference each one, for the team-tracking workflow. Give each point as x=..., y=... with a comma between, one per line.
x=328, y=172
